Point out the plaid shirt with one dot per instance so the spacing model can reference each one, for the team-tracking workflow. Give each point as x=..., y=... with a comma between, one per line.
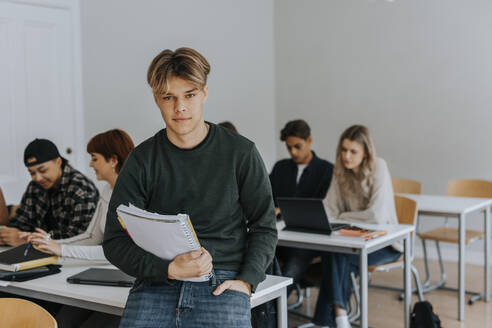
x=63, y=211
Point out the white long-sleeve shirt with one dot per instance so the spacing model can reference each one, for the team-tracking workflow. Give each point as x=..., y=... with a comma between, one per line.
x=380, y=207
x=88, y=244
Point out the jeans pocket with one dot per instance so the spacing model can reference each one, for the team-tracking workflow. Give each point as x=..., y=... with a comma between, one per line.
x=237, y=292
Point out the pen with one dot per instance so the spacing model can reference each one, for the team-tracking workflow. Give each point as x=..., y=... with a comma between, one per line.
x=375, y=235
x=27, y=249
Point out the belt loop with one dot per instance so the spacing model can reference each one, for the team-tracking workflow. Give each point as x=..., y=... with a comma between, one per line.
x=213, y=278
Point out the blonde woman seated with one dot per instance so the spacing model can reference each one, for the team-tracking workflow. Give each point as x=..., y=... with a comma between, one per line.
x=108, y=151
x=361, y=191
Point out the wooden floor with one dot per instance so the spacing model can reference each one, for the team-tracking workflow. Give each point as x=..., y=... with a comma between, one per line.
x=385, y=310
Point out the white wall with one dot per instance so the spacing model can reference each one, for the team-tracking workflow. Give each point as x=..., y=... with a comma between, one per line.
x=418, y=73
x=120, y=38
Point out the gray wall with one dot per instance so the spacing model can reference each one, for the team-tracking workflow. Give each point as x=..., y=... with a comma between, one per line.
x=418, y=73
x=120, y=38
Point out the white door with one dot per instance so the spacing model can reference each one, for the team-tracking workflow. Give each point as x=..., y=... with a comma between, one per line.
x=38, y=87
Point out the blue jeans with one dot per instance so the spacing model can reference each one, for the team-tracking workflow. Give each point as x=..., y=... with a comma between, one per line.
x=186, y=304
x=296, y=262
x=336, y=284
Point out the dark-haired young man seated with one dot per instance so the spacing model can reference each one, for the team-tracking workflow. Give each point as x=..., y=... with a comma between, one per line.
x=303, y=175
x=59, y=199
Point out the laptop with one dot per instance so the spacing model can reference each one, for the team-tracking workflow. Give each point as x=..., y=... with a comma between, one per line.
x=102, y=277
x=306, y=215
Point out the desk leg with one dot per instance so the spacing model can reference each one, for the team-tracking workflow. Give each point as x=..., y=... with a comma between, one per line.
x=407, y=280
x=487, y=254
x=282, y=309
x=363, y=289
x=461, y=270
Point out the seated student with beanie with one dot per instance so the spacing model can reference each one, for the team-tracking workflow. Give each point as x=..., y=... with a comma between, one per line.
x=303, y=175
x=59, y=199
x=108, y=151
x=361, y=191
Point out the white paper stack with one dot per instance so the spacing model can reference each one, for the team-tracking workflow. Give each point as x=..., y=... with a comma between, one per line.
x=165, y=236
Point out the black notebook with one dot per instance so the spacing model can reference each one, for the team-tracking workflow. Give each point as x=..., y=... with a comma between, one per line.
x=30, y=274
x=102, y=277
x=14, y=259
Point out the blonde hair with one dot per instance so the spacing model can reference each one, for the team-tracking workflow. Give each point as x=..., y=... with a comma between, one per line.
x=349, y=181
x=185, y=63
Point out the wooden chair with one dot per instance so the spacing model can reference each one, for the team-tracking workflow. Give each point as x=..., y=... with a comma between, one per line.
x=459, y=188
x=20, y=313
x=406, y=211
x=406, y=186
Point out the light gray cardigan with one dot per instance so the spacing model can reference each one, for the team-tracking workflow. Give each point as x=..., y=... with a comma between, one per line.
x=380, y=208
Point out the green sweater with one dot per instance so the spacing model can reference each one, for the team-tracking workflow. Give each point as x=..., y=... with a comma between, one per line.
x=221, y=183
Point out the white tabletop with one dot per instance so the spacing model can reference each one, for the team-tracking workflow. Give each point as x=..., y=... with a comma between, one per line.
x=57, y=285
x=393, y=232
x=448, y=204
x=113, y=296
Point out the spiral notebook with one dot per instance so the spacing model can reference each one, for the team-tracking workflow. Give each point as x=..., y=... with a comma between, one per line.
x=165, y=236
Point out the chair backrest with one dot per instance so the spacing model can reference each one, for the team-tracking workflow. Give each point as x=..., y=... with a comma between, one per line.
x=20, y=313
x=470, y=188
x=406, y=186
x=406, y=210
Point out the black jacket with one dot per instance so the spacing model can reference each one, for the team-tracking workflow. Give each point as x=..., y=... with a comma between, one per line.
x=314, y=182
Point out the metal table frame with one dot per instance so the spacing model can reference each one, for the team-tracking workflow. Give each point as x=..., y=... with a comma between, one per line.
x=447, y=206
x=329, y=244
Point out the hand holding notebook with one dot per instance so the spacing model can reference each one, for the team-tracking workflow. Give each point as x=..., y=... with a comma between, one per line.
x=187, y=265
x=165, y=236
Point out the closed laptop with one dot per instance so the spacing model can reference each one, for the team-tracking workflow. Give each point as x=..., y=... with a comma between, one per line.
x=102, y=277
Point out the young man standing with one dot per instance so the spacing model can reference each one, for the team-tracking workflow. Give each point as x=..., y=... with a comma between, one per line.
x=59, y=199
x=303, y=175
x=218, y=178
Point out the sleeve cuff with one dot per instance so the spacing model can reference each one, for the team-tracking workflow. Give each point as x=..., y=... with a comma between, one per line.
x=251, y=277
x=63, y=251
x=161, y=268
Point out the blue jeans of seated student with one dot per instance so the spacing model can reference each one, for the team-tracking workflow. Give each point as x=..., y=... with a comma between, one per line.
x=296, y=262
x=186, y=304
x=336, y=285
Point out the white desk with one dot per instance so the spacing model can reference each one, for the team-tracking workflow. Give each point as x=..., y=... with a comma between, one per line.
x=112, y=300
x=460, y=207
x=353, y=245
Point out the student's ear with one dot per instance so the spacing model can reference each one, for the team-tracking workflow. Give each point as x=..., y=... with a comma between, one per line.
x=113, y=160
x=205, y=93
x=58, y=161
x=309, y=140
